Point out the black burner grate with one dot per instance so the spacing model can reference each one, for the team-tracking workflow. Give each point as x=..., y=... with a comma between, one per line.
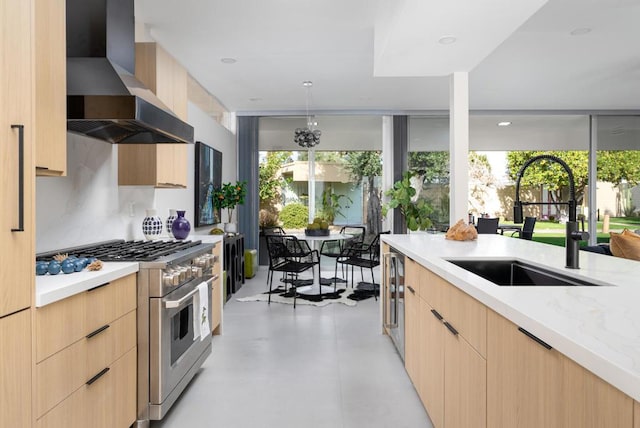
x=125, y=251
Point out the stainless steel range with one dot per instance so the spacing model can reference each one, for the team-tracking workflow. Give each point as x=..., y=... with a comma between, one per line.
x=170, y=351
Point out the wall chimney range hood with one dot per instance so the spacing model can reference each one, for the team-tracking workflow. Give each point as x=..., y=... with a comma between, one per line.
x=104, y=99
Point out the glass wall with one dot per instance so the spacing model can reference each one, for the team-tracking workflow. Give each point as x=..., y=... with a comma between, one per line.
x=341, y=186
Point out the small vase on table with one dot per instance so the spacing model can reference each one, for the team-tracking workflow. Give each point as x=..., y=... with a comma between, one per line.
x=170, y=220
x=181, y=226
x=151, y=225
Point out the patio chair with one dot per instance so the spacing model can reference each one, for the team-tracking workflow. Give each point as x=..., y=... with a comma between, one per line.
x=487, y=225
x=363, y=256
x=527, y=229
x=291, y=257
x=334, y=248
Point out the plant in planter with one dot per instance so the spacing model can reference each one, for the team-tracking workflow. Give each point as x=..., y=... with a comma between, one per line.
x=331, y=206
x=228, y=196
x=415, y=209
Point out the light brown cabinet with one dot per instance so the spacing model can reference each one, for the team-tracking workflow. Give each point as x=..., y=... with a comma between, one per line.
x=15, y=370
x=158, y=165
x=451, y=372
x=16, y=134
x=216, y=290
x=636, y=414
x=531, y=384
x=50, y=88
x=86, y=358
x=412, y=320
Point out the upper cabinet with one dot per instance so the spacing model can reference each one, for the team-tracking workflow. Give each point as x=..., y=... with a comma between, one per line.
x=158, y=165
x=50, y=88
x=16, y=157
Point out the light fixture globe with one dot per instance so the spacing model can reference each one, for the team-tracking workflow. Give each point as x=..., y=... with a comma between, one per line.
x=308, y=137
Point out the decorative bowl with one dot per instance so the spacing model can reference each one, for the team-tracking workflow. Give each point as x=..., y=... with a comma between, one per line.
x=316, y=232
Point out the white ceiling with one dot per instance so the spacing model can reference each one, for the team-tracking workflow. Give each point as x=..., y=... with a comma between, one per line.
x=280, y=43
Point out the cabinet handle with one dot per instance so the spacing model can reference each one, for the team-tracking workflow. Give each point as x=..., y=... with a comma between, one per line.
x=531, y=336
x=20, y=227
x=450, y=328
x=98, y=286
x=98, y=376
x=411, y=289
x=98, y=331
x=436, y=314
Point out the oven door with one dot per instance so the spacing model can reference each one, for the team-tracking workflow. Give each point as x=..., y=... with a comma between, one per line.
x=173, y=349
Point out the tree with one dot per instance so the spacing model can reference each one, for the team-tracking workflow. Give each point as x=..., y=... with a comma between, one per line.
x=481, y=182
x=270, y=183
x=364, y=167
x=433, y=167
x=615, y=166
x=550, y=174
x=621, y=168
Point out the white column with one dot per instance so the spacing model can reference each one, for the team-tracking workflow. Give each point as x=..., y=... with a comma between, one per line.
x=387, y=166
x=312, y=184
x=593, y=178
x=459, y=146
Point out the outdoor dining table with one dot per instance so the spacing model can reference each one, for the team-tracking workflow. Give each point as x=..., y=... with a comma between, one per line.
x=316, y=242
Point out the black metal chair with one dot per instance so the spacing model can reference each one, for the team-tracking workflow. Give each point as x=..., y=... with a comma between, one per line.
x=291, y=257
x=487, y=225
x=527, y=229
x=275, y=230
x=333, y=248
x=362, y=256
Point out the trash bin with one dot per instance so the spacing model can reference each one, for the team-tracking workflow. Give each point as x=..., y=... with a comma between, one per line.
x=250, y=263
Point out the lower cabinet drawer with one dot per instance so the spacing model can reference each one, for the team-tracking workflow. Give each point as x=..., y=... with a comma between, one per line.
x=105, y=401
x=62, y=323
x=64, y=372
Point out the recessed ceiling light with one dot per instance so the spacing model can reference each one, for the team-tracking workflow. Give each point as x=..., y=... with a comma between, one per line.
x=580, y=31
x=228, y=60
x=255, y=99
x=506, y=123
x=447, y=40
x=307, y=83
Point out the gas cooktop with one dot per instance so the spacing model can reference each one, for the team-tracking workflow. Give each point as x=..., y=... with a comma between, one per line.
x=124, y=251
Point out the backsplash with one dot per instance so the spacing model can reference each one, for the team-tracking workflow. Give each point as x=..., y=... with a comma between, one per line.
x=88, y=206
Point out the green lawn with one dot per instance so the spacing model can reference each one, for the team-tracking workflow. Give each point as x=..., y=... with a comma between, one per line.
x=553, y=233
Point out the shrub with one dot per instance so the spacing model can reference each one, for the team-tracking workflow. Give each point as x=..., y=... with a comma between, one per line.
x=294, y=216
x=267, y=218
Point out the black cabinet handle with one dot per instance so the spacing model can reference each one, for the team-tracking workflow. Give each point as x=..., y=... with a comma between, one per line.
x=20, y=227
x=450, y=328
x=98, y=286
x=411, y=289
x=98, y=331
x=98, y=376
x=531, y=336
x=436, y=314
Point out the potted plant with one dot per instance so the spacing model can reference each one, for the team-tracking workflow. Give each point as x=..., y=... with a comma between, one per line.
x=228, y=196
x=403, y=195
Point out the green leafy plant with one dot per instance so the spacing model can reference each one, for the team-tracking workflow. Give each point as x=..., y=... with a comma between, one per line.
x=401, y=195
x=229, y=195
x=294, y=216
x=331, y=206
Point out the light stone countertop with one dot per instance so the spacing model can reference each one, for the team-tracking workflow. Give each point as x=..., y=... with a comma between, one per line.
x=52, y=288
x=597, y=327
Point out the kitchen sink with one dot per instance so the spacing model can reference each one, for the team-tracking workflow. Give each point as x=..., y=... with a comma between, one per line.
x=516, y=273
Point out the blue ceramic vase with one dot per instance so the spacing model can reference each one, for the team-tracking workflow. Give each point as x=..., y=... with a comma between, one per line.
x=180, y=227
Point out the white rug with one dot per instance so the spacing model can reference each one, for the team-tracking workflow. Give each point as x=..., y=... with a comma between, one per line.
x=277, y=298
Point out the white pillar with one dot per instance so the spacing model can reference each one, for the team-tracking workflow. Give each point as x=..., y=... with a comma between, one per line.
x=387, y=166
x=312, y=184
x=459, y=146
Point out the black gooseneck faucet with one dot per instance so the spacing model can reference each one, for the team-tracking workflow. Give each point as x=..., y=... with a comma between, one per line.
x=573, y=235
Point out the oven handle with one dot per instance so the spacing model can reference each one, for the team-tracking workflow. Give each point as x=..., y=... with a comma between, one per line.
x=177, y=303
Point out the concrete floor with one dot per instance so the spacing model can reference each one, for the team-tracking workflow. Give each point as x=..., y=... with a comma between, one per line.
x=274, y=366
